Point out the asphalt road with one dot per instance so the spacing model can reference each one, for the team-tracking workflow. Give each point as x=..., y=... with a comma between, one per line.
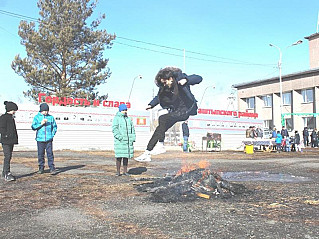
x=87, y=200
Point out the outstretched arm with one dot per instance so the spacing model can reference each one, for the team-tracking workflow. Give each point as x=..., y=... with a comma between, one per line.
x=153, y=103
x=183, y=79
x=194, y=79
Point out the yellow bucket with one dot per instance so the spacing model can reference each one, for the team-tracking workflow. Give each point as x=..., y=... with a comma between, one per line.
x=249, y=149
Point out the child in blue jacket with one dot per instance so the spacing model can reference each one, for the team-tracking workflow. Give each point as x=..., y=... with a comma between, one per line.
x=46, y=128
x=278, y=141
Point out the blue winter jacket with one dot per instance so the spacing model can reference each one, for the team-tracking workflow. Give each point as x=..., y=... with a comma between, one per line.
x=278, y=138
x=47, y=131
x=124, y=136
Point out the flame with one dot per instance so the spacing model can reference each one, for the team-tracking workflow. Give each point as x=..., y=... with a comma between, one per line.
x=189, y=167
x=203, y=164
x=202, y=195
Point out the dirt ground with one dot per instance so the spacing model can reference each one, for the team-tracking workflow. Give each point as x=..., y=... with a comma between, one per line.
x=87, y=200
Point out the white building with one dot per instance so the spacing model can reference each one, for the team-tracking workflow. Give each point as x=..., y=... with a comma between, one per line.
x=300, y=96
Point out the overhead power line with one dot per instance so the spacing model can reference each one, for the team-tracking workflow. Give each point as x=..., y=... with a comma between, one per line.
x=179, y=49
x=8, y=31
x=11, y=14
x=194, y=58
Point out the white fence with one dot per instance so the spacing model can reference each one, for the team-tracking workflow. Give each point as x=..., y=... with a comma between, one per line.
x=80, y=128
x=90, y=128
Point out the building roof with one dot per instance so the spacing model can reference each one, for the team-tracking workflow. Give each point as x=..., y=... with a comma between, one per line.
x=275, y=79
x=312, y=36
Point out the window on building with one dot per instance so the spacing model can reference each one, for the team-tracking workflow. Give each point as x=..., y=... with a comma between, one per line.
x=309, y=122
x=268, y=124
x=267, y=100
x=286, y=98
x=288, y=123
x=307, y=95
x=250, y=103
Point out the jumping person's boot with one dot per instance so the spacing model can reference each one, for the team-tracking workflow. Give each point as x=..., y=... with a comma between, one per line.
x=158, y=149
x=145, y=157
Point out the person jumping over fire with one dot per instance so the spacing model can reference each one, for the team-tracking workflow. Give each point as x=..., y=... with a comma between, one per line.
x=174, y=95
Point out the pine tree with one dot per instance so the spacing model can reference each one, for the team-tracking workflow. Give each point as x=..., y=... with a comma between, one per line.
x=64, y=54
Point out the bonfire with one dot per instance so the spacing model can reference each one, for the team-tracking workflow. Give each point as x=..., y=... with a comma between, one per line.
x=191, y=182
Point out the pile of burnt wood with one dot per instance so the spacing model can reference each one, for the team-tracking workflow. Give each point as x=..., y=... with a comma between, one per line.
x=198, y=183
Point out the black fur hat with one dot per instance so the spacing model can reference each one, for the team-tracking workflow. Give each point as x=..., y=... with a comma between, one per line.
x=9, y=105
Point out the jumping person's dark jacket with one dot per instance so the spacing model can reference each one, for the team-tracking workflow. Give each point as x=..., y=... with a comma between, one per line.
x=184, y=91
x=8, y=129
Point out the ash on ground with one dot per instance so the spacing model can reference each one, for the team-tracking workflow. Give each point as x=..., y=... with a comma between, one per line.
x=198, y=183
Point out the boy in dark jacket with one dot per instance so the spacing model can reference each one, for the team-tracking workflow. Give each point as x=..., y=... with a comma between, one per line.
x=9, y=138
x=174, y=95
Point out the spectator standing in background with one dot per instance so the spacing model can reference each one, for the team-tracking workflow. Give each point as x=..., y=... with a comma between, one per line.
x=185, y=130
x=314, y=139
x=288, y=144
x=297, y=141
x=278, y=141
x=274, y=136
x=305, y=135
x=284, y=132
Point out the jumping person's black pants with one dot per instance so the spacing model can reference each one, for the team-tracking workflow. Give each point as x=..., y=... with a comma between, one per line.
x=165, y=122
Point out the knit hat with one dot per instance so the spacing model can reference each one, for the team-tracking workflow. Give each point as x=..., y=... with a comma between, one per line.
x=122, y=107
x=44, y=107
x=9, y=105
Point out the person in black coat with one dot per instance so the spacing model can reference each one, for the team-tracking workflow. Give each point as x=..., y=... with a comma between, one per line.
x=314, y=139
x=284, y=132
x=297, y=141
x=305, y=134
x=174, y=94
x=9, y=137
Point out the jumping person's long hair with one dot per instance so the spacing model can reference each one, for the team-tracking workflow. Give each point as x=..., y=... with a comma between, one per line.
x=165, y=97
x=166, y=73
